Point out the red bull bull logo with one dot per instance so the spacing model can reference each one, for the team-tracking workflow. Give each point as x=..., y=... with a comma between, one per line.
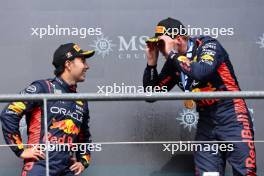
x=206, y=102
x=208, y=88
x=67, y=126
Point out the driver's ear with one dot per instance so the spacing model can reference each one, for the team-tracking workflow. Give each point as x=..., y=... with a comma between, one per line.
x=177, y=39
x=67, y=64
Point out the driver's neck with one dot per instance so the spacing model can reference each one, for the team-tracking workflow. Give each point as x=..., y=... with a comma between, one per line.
x=68, y=79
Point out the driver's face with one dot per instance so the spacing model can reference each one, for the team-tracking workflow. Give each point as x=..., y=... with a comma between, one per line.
x=78, y=69
x=179, y=45
x=161, y=47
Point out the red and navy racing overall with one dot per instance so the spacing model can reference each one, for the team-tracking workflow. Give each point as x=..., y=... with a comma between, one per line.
x=67, y=123
x=206, y=67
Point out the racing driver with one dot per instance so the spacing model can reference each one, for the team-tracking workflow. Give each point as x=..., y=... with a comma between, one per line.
x=67, y=120
x=198, y=65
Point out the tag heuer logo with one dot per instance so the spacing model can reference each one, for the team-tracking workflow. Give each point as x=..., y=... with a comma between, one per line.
x=77, y=48
x=160, y=29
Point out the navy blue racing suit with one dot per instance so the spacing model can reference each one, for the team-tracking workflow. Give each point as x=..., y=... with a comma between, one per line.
x=67, y=124
x=206, y=67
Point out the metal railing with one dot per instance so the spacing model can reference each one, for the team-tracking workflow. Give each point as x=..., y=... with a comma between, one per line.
x=124, y=97
x=135, y=97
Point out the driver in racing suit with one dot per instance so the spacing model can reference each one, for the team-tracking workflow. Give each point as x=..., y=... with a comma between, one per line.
x=67, y=120
x=199, y=65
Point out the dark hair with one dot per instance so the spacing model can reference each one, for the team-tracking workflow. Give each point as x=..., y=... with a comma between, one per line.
x=59, y=70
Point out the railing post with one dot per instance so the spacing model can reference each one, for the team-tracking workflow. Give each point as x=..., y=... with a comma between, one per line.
x=45, y=108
